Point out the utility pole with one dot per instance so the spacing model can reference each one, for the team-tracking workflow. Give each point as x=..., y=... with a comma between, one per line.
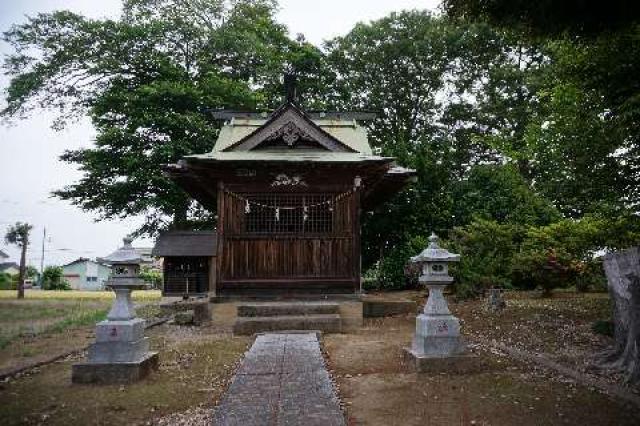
x=44, y=238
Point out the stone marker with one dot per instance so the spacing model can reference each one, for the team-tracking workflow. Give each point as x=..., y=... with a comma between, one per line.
x=121, y=351
x=437, y=330
x=495, y=302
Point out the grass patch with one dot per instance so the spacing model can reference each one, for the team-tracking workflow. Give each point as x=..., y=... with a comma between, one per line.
x=138, y=296
x=78, y=319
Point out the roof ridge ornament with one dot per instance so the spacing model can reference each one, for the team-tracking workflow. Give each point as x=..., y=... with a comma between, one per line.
x=290, y=82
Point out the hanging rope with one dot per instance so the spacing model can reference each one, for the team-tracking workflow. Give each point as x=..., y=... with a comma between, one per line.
x=305, y=208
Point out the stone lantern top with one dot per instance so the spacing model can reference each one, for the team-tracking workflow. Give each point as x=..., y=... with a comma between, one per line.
x=125, y=255
x=434, y=253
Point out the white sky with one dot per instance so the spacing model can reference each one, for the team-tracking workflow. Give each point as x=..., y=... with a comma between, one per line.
x=29, y=150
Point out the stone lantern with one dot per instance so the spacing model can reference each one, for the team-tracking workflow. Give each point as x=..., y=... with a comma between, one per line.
x=437, y=331
x=121, y=351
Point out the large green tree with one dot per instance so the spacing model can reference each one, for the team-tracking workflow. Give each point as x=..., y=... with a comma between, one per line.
x=147, y=81
x=584, y=138
x=449, y=97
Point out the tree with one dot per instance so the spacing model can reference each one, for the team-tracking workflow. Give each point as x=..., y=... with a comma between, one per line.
x=547, y=17
x=590, y=99
x=500, y=193
x=53, y=279
x=18, y=235
x=148, y=81
x=448, y=96
x=151, y=276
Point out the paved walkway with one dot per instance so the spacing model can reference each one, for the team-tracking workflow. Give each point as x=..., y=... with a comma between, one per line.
x=281, y=381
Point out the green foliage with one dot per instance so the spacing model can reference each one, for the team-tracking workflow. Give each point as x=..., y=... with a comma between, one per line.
x=500, y=193
x=53, y=279
x=487, y=249
x=18, y=234
x=7, y=281
x=546, y=17
x=562, y=254
x=394, y=271
x=147, y=81
x=151, y=276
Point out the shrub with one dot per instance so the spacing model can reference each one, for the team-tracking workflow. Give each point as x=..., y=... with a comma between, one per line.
x=52, y=279
x=7, y=282
x=486, y=249
x=391, y=270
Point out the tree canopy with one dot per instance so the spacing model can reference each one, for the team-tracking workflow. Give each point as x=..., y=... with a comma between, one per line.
x=510, y=124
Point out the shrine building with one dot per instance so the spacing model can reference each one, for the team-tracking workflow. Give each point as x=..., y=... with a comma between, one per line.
x=289, y=189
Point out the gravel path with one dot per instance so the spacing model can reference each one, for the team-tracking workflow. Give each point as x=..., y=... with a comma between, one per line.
x=281, y=381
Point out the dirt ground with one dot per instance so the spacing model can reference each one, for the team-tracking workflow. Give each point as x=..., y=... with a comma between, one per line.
x=375, y=383
x=195, y=366
x=378, y=387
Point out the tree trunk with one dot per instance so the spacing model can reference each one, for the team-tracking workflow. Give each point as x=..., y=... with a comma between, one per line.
x=623, y=276
x=23, y=270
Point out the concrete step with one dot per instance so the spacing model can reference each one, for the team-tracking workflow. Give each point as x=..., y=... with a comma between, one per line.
x=327, y=323
x=287, y=309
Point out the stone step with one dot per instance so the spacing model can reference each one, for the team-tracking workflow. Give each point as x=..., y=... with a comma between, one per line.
x=274, y=309
x=327, y=323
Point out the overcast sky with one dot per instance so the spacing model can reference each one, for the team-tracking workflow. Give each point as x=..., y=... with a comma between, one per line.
x=29, y=150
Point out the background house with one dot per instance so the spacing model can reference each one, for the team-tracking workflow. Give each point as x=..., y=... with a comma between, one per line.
x=11, y=268
x=86, y=274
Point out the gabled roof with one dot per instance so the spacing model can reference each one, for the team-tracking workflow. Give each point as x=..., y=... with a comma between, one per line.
x=6, y=265
x=84, y=259
x=291, y=125
x=186, y=243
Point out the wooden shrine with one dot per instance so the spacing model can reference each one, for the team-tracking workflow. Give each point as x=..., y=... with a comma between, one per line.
x=289, y=189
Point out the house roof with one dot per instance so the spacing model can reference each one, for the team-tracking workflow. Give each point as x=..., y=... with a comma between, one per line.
x=186, y=243
x=6, y=265
x=84, y=259
x=3, y=255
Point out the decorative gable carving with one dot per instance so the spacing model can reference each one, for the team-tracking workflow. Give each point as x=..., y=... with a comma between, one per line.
x=290, y=125
x=290, y=133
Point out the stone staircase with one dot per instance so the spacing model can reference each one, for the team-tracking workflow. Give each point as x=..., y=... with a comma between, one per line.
x=278, y=316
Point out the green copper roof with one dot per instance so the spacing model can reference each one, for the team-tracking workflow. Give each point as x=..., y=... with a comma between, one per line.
x=346, y=131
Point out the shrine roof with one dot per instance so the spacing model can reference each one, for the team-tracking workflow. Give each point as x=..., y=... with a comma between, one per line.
x=349, y=132
x=290, y=156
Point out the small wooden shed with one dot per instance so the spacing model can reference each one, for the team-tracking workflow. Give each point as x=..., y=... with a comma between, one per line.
x=189, y=262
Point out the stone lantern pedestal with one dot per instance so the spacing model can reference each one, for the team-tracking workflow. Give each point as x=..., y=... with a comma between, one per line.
x=437, y=341
x=121, y=351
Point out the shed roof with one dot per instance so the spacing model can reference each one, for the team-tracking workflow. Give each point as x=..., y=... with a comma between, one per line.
x=186, y=243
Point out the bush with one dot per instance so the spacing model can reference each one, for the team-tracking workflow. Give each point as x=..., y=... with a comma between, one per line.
x=562, y=254
x=392, y=268
x=486, y=250
x=52, y=279
x=8, y=282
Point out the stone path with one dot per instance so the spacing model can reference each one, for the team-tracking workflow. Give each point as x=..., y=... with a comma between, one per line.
x=281, y=381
